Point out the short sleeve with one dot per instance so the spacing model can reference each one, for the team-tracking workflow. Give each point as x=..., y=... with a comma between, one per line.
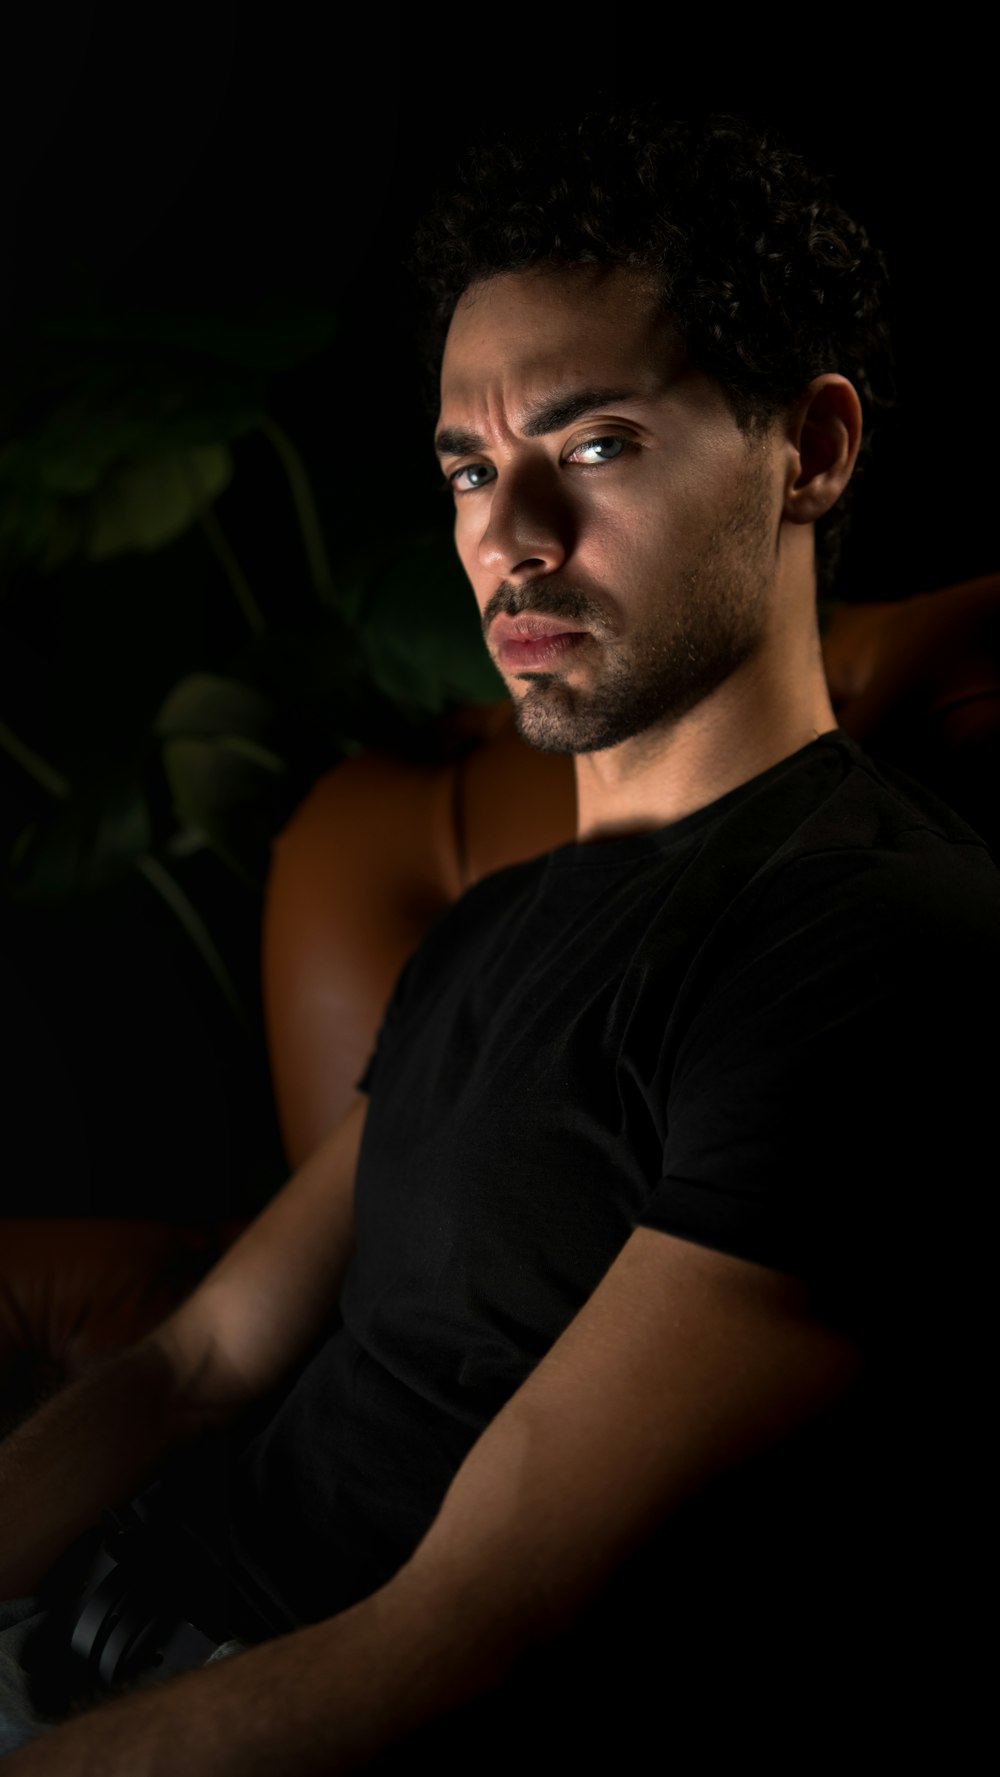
x=833, y=1085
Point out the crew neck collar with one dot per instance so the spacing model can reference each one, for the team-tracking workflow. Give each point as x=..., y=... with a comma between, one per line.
x=624, y=848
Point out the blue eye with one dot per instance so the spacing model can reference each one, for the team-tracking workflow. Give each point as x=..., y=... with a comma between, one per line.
x=478, y=474
x=610, y=448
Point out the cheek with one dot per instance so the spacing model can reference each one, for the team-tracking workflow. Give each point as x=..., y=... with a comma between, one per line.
x=467, y=553
x=465, y=547
x=636, y=537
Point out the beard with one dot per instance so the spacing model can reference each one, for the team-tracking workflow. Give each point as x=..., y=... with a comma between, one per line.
x=644, y=684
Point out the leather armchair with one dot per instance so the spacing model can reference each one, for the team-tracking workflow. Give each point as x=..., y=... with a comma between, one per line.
x=378, y=849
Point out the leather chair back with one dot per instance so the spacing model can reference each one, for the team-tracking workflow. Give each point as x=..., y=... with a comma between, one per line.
x=375, y=854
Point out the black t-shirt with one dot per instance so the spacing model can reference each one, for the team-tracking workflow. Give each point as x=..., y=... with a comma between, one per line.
x=753, y=1029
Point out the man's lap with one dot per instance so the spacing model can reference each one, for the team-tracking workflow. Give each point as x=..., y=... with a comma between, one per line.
x=21, y=1718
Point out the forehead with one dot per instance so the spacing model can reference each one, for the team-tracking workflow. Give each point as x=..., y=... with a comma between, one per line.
x=522, y=334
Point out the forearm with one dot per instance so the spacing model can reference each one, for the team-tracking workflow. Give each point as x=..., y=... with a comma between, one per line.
x=333, y=1697
x=96, y=1442
x=325, y=1700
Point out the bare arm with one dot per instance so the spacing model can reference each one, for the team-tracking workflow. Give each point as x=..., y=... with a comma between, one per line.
x=682, y=1362
x=246, y=1325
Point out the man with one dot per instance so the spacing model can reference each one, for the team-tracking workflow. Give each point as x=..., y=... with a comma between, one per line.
x=631, y=1420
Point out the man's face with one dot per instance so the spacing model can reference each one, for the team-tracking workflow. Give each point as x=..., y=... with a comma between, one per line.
x=619, y=532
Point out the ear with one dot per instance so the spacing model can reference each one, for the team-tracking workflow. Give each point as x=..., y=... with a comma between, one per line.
x=823, y=431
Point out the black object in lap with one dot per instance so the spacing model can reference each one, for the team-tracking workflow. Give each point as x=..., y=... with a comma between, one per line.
x=147, y=1595
x=148, y=1602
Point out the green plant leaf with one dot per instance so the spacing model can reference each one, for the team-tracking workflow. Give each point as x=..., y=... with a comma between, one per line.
x=144, y=504
x=222, y=772
x=418, y=626
x=92, y=837
x=113, y=411
x=211, y=778
x=223, y=787
x=208, y=704
x=105, y=445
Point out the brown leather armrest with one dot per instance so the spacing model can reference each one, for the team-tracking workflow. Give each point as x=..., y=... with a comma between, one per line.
x=917, y=682
x=358, y=875
x=891, y=666
x=73, y=1291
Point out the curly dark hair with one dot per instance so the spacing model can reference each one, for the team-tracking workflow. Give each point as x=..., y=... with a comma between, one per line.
x=766, y=278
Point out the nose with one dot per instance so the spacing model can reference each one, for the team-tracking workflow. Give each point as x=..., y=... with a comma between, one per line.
x=528, y=530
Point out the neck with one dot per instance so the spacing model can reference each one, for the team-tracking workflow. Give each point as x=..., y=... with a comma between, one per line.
x=762, y=714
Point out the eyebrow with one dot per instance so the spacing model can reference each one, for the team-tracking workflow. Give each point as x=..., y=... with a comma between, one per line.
x=550, y=416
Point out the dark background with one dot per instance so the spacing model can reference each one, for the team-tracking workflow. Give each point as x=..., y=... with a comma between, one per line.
x=193, y=157
x=205, y=159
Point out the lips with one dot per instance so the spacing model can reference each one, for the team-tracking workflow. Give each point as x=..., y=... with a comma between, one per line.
x=532, y=626
x=533, y=640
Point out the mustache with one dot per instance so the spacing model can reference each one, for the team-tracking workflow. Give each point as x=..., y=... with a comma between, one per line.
x=547, y=600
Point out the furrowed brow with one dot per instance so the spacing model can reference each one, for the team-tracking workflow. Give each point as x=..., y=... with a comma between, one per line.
x=562, y=410
x=452, y=441
x=551, y=416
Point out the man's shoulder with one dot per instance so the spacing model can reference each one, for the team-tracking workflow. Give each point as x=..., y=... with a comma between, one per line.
x=882, y=844
x=826, y=848
x=876, y=804
x=837, y=882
